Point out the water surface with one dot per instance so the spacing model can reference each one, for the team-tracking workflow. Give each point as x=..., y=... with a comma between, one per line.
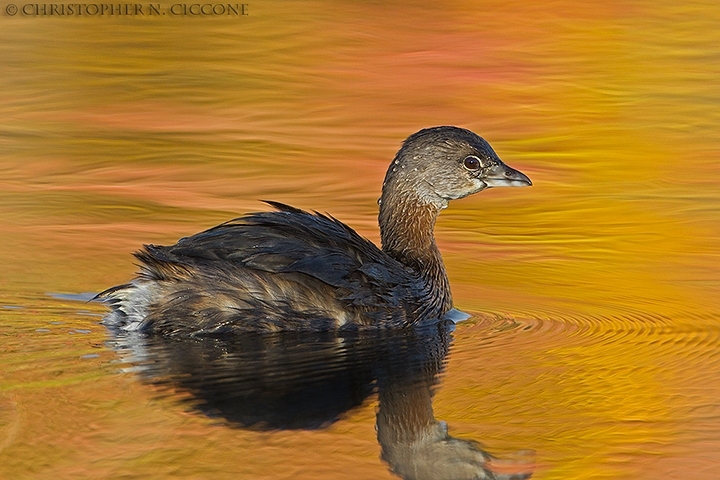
x=596, y=316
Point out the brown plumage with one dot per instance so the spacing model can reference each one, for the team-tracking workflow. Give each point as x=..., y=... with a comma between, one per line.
x=294, y=270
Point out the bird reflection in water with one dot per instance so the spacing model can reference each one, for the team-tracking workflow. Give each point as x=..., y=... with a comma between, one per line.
x=308, y=380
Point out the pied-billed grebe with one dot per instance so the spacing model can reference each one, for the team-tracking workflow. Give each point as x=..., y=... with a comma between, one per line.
x=295, y=270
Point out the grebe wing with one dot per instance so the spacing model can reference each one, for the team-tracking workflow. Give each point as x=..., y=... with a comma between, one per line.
x=289, y=241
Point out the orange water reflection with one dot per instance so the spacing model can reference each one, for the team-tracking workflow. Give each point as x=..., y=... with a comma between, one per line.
x=118, y=132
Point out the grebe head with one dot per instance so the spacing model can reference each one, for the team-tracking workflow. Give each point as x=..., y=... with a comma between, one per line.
x=439, y=164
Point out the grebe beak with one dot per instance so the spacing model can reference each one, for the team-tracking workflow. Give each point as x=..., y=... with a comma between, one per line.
x=503, y=176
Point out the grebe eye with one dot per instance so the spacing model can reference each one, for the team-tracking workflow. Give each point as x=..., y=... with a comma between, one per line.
x=471, y=163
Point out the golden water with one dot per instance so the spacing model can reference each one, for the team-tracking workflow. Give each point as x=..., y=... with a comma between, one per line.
x=596, y=340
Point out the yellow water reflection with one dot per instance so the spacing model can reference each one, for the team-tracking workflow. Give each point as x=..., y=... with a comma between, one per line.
x=120, y=131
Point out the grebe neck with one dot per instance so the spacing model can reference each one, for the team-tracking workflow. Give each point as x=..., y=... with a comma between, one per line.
x=406, y=232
